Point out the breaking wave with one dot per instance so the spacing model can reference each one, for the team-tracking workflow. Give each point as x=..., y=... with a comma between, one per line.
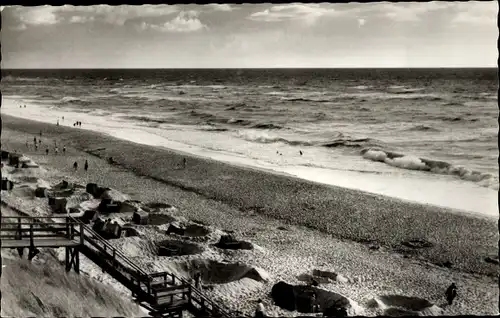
x=434, y=166
x=341, y=142
x=423, y=128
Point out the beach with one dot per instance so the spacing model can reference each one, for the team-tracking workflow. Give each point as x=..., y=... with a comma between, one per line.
x=328, y=227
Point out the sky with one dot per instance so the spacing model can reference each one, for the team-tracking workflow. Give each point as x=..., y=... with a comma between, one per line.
x=425, y=34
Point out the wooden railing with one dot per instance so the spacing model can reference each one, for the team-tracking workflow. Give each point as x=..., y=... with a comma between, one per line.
x=115, y=256
x=22, y=227
x=157, y=285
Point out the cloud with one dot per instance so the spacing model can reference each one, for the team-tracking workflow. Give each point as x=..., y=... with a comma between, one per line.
x=80, y=19
x=38, y=15
x=293, y=11
x=483, y=13
x=117, y=15
x=220, y=7
x=185, y=21
x=412, y=12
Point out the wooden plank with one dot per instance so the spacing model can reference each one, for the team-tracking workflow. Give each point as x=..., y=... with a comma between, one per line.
x=59, y=242
x=163, y=303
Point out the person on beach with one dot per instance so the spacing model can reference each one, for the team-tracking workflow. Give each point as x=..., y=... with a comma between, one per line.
x=300, y=151
x=62, y=118
x=34, y=140
x=64, y=149
x=86, y=166
x=75, y=165
x=259, y=311
x=197, y=280
x=184, y=163
x=47, y=151
x=451, y=293
x=57, y=122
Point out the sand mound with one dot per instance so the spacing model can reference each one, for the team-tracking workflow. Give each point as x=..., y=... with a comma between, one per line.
x=213, y=272
x=398, y=305
x=75, y=201
x=158, y=206
x=23, y=191
x=176, y=248
x=159, y=219
x=196, y=230
x=417, y=243
x=114, y=195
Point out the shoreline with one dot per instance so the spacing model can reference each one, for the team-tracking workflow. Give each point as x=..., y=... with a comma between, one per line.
x=416, y=187
x=344, y=213
x=283, y=253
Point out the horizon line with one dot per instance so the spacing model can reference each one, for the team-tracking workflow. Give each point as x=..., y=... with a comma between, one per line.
x=239, y=68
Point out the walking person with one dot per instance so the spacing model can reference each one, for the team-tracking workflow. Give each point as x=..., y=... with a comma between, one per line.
x=184, y=163
x=197, y=280
x=259, y=311
x=64, y=149
x=34, y=140
x=86, y=166
x=451, y=293
x=75, y=165
x=47, y=151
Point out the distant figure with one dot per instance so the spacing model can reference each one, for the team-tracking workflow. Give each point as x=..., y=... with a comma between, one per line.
x=74, y=124
x=259, y=311
x=315, y=305
x=64, y=149
x=451, y=293
x=197, y=280
x=300, y=151
x=281, y=154
x=63, y=118
x=47, y=151
x=75, y=165
x=277, y=152
x=86, y=166
x=184, y=162
x=36, y=147
x=39, y=141
x=34, y=140
x=57, y=122
x=24, y=106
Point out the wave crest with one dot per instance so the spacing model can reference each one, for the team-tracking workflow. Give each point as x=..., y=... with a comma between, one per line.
x=433, y=166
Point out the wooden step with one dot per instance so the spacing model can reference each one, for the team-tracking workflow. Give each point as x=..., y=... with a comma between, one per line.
x=166, y=304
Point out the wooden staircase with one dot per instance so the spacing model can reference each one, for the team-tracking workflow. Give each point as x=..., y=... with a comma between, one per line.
x=163, y=294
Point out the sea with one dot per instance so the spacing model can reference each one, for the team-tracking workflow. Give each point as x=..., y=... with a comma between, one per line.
x=423, y=135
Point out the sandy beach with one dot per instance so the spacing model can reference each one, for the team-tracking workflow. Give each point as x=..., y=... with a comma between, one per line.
x=295, y=225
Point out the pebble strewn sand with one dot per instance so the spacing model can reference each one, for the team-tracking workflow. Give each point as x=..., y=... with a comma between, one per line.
x=286, y=254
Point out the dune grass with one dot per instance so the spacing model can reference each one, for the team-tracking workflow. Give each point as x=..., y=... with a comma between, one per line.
x=44, y=289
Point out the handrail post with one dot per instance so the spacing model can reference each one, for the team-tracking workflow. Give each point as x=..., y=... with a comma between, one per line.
x=67, y=228
x=20, y=228
x=81, y=234
x=32, y=243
